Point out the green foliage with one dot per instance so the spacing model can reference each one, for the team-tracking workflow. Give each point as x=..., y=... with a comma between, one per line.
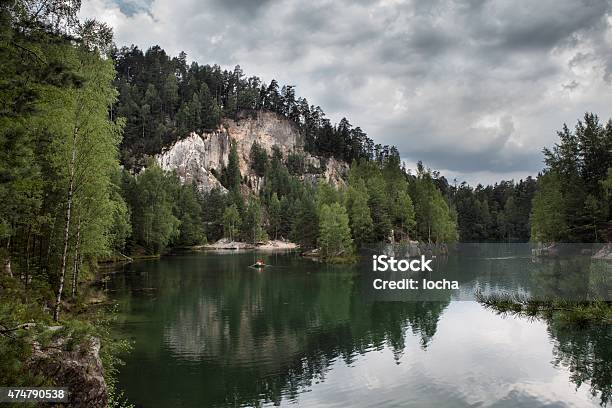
x=121, y=227
x=252, y=225
x=334, y=232
x=379, y=208
x=59, y=146
x=231, y=222
x=296, y=164
x=259, y=159
x=213, y=207
x=400, y=207
x=163, y=99
x=548, y=218
x=576, y=172
x=231, y=177
x=274, y=215
x=277, y=178
x=151, y=198
x=189, y=213
x=403, y=211
x=575, y=312
x=606, y=185
x=361, y=222
x=326, y=195
x=498, y=212
x=305, y=225
x=435, y=220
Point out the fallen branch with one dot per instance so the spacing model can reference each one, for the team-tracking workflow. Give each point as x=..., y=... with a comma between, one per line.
x=25, y=326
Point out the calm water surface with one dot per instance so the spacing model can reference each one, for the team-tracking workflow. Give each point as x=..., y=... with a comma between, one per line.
x=210, y=331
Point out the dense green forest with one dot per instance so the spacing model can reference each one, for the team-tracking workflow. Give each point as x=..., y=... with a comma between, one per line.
x=164, y=99
x=59, y=206
x=79, y=120
x=75, y=108
x=569, y=202
x=574, y=197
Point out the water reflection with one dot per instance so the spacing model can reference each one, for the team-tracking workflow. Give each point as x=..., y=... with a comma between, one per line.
x=587, y=354
x=210, y=332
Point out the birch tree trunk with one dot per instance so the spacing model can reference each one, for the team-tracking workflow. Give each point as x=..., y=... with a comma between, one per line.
x=76, y=263
x=7, y=262
x=60, y=289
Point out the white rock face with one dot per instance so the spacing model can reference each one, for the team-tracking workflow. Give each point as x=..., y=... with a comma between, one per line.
x=268, y=129
x=200, y=157
x=195, y=157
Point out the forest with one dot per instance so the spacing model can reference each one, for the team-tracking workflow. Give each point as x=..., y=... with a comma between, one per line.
x=163, y=99
x=80, y=120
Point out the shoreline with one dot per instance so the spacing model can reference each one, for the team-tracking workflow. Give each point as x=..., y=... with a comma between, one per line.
x=225, y=244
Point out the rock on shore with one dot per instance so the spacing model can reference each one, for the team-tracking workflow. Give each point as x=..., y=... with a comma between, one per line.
x=605, y=253
x=78, y=368
x=225, y=243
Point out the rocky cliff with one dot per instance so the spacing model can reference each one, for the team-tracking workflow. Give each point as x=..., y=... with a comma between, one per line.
x=201, y=157
x=78, y=368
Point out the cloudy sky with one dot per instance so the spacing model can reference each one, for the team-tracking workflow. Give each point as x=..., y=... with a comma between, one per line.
x=473, y=88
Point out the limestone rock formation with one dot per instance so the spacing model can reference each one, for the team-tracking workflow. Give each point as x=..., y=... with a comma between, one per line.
x=196, y=157
x=201, y=157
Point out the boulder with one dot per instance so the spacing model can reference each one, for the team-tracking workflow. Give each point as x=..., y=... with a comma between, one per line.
x=78, y=368
x=605, y=253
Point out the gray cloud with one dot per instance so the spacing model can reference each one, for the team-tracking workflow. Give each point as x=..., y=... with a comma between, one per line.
x=474, y=88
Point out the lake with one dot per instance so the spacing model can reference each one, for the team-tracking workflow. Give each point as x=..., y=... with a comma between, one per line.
x=209, y=331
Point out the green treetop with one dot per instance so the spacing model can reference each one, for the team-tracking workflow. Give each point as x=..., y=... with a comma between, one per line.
x=334, y=232
x=231, y=221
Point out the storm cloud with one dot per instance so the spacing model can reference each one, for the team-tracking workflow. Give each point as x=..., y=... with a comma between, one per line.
x=475, y=89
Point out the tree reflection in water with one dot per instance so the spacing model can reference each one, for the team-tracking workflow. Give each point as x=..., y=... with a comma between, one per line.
x=213, y=333
x=583, y=347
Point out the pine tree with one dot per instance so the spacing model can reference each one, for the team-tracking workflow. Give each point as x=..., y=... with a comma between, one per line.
x=359, y=213
x=403, y=212
x=274, y=214
x=189, y=213
x=548, y=216
x=379, y=208
x=232, y=175
x=305, y=226
x=231, y=222
x=252, y=224
x=334, y=232
x=259, y=159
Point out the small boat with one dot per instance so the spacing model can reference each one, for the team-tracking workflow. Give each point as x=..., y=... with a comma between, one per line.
x=258, y=264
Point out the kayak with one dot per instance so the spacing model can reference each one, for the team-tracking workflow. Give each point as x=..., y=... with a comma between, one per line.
x=258, y=264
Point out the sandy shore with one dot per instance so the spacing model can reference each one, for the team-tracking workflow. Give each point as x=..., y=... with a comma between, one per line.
x=235, y=245
x=277, y=244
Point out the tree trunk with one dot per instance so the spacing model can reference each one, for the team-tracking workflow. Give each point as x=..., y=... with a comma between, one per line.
x=76, y=263
x=50, y=243
x=7, y=262
x=60, y=289
x=27, y=269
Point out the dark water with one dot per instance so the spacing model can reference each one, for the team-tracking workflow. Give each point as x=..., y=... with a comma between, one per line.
x=210, y=331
